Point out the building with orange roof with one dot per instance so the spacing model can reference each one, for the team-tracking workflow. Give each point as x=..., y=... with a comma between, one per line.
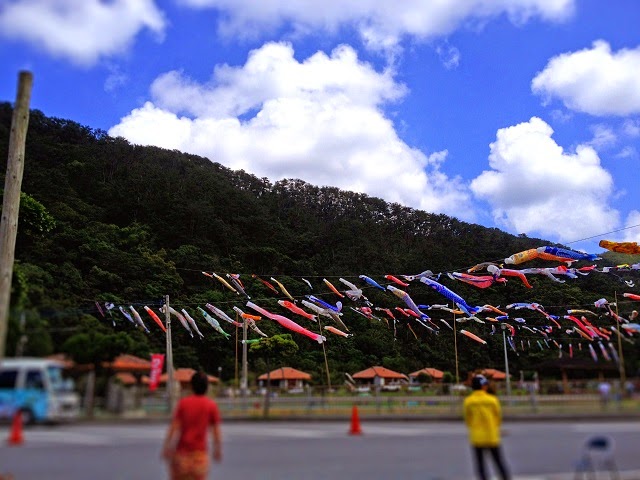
x=126, y=378
x=380, y=377
x=128, y=363
x=493, y=374
x=183, y=376
x=433, y=373
x=285, y=378
x=63, y=359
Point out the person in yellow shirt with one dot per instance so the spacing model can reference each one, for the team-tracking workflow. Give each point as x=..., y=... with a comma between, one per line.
x=483, y=416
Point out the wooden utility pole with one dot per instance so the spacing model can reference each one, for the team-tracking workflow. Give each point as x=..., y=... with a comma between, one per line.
x=11, y=201
x=167, y=317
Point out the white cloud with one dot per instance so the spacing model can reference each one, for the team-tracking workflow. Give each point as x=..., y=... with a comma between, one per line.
x=594, y=81
x=603, y=137
x=380, y=23
x=631, y=128
x=449, y=55
x=320, y=120
x=561, y=116
x=632, y=224
x=115, y=80
x=627, y=152
x=82, y=31
x=537, y=188
x=271, y=72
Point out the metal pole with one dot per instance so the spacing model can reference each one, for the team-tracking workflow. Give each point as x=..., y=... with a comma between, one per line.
x=244, y=382
x=236, y=382
x=506, y=359
x=621, y=363
x=455, y=344
x=11, y=200
x=326, y=363
x=167, y=317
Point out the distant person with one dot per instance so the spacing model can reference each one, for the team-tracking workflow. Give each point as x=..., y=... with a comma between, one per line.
x=629, y=388
x=185, y=445
x=532, y=388
x=604, y=388
x=483, y=416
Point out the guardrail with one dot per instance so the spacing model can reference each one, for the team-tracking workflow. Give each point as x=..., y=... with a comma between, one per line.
x=401, y=406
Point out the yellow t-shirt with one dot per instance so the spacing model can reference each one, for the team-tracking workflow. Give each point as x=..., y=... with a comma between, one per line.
x=483, y=416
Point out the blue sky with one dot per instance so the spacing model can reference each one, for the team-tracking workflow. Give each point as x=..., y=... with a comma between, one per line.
x=517, y=114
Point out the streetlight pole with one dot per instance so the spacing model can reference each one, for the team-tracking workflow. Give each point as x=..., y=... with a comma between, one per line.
x=620, y=354
x=455, y=344
x=244, y=381
x=506, y=359
x=169, y=353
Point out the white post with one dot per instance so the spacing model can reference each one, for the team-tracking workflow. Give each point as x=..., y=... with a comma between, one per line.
x=621, y=369
x=244, y=381
x=326, y=362
x=455, y=345
x=506, y=359
x=169, y=355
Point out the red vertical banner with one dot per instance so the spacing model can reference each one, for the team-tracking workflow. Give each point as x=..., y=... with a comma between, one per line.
x=157, y=362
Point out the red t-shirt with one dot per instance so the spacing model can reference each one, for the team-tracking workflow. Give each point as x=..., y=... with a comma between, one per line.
x=195, y=414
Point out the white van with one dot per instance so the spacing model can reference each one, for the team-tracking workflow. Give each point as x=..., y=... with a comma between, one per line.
x=35, y=387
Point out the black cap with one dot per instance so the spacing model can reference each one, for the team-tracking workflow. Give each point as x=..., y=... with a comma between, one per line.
x=478, y=382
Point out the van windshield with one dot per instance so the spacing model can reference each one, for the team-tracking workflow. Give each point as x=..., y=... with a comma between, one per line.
x=58, y=384
x=8, y=378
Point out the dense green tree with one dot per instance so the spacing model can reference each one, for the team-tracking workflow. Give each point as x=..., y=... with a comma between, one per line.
x=273, y=351
x=104, y=220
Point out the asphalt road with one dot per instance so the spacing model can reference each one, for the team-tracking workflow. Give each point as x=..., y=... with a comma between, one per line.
x=313, y=451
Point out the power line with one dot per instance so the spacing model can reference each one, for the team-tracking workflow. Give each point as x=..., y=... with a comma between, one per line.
x=602, y=234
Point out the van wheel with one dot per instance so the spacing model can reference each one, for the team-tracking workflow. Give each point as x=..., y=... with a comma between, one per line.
x=27, y=416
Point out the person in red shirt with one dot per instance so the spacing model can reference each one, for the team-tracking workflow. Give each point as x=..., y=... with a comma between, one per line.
x=185, y=445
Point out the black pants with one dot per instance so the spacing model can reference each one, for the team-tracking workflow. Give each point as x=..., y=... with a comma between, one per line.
x=479, y=454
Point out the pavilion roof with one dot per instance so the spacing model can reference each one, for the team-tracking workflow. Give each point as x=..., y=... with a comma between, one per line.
x=183, y=375
x=493, y=374
x=286, y=373
x=128, y=363
x=377, y=371
x=126, y=378
x=432, y=372
x=64, y=360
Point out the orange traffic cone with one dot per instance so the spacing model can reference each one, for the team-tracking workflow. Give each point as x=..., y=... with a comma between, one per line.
x=16, y=437
x=355, y=422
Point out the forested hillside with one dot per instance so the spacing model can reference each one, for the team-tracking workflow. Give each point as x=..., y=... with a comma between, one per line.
x=106, y=221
